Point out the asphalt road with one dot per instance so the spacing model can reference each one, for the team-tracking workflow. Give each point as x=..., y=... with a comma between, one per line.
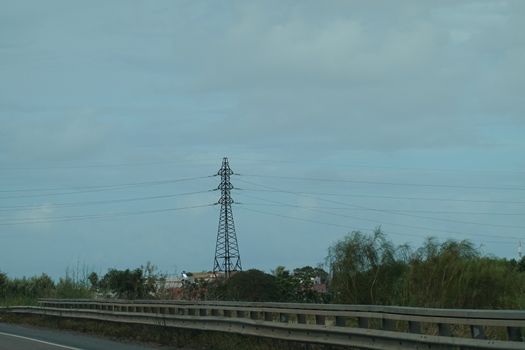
x=15, y=337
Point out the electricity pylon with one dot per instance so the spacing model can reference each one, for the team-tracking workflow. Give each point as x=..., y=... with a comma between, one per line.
x=227, y=257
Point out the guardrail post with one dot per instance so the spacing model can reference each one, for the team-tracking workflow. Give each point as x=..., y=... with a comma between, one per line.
x=362, y=322
x=320, y=319
x=414, y=327
x=340, y=321
x=387, y=324
x=514, y=334
x=477, y=332
x=444, y=330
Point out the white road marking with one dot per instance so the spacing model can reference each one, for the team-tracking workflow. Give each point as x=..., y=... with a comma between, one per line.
x=40, y=341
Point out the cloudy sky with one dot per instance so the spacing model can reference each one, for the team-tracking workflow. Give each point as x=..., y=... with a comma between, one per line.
x=337, y=116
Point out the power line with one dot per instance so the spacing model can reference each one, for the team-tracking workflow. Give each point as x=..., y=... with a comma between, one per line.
x=102, y=188
x=353, y=228
x=419, y=169
x=508, y=188
x=96, y=165
x=440, y=219
x=394, y=224
x=100, y=216
x=242, y=193
x=380, y=196
x=75, y=204
x=415, y=227
x=394, y=210
x=441, y=170
x=389, y=223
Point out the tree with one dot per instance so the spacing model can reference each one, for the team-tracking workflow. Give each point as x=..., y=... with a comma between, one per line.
x=521, y=265
x=454, y=274
x=125, y=284
x=3, y=285
x=251, y=285
x=93, y=280
x=298, y=286
x=366, y=269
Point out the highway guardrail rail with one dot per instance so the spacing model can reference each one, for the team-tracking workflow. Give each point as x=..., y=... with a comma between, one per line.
x=355, y=326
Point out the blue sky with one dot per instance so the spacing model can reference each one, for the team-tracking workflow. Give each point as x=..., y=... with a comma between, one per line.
x=352, y=114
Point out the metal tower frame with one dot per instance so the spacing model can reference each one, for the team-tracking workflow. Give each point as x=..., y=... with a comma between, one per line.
x=227, y=257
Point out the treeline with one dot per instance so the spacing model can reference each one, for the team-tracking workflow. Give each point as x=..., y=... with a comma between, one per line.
x=26, y=291
x=362, y=269
x=254, y=285
x=141, y=283
x=370, y=269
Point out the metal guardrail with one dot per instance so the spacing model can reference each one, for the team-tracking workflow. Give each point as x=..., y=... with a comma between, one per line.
x=357, y=326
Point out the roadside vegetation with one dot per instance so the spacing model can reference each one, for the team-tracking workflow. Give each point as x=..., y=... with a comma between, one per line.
x=141, y=283
x=27, y=291
x=370, y=269
x=360, y=269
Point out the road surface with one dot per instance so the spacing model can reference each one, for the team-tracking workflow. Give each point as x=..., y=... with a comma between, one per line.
x=16, y=337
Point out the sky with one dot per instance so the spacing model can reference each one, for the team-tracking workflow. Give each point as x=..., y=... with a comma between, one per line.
x=336, y=116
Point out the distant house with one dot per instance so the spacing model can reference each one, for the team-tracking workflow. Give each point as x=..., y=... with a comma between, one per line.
x=174, y=284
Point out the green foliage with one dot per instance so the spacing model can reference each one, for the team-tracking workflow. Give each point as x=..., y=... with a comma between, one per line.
x=368, y=269
x=298, y=286
x=521, y=265
x=3, y=284
x=251, y=285
x=129, y=284
x=255, y=285
x=201, y=289
x=143, y=282
x=453, y=274
x=69, y=288
x=124, y=284
x=93, y=280
x=25, y=290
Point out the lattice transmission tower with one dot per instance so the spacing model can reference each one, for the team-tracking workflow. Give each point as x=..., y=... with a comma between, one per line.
x=227, y=257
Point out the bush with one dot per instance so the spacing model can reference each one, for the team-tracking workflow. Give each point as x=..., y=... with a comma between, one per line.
x=251, y=285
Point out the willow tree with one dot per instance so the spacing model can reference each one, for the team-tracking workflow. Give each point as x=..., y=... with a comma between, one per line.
x=366, y=269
